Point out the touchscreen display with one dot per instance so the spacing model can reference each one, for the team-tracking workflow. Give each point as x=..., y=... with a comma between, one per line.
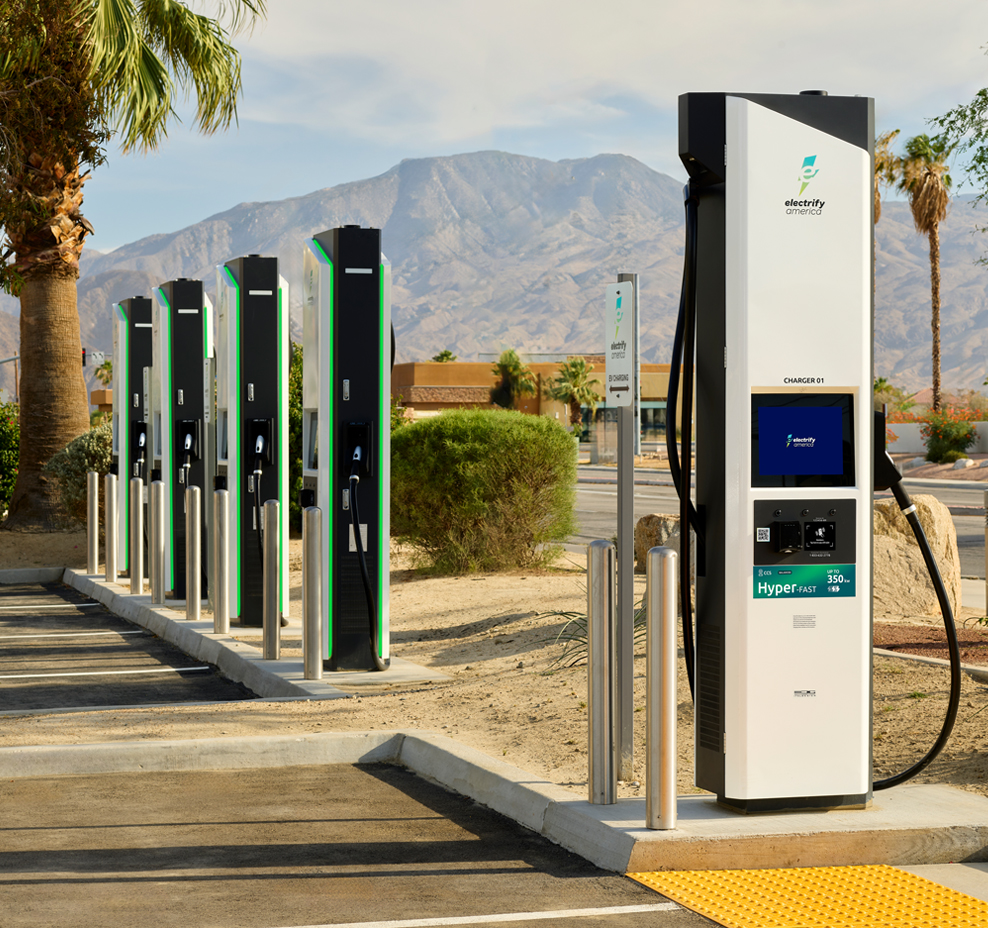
x=801, y=440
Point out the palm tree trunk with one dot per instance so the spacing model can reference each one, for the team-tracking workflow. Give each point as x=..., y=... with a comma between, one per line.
x=935, y=314
x=54, y=407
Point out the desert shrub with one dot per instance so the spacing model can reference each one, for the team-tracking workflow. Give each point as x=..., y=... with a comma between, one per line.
x=295, y=437
x=90, y=451
x=483, y=489
x=950, y=457
x=10, y=436
x=945, y=431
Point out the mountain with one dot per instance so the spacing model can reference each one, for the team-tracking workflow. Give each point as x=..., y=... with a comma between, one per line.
x=492, y=250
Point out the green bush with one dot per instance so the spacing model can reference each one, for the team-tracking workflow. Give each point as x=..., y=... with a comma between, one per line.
x=10, y=436
x=90, y=451
x=483, y=489
x=946, y=431
x=950, y=457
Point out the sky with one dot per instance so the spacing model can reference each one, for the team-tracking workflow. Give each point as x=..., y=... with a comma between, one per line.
x=337, y=91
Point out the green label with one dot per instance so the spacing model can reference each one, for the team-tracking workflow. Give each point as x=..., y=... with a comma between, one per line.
x=803, y=580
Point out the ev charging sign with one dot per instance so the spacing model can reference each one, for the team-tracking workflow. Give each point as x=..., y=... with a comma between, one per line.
x=619, y=342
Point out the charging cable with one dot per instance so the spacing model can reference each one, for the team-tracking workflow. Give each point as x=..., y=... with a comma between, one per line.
x=258, y=470
x=887, y=477
x=683, y=352
x=187, y=466
x=361, y=557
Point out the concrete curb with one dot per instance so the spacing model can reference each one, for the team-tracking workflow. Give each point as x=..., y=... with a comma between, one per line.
x=913, y=824
x=31, y=575
x=979, y=674
x=235, y=659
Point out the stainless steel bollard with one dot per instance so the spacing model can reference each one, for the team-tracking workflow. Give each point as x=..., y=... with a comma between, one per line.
x=602, y=646
x=221, y=562
x=156, y=540
x=193, y=553
x=271, y=614
x=110, y=531
x=92, y=522
x=136, y=536
x=661, y=702
x=312, y=593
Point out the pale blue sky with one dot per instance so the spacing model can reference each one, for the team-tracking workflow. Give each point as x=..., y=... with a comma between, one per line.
x=338, y=91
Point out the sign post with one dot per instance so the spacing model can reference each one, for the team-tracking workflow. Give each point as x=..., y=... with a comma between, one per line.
x=620, y=338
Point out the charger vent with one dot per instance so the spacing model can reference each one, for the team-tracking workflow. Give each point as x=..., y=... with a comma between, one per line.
x=710, y=723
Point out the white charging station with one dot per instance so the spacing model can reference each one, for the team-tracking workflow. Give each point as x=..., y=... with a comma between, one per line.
x=252, y=422
x=782, y=190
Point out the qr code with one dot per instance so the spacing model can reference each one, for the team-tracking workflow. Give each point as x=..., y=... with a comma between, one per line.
x=763, y=534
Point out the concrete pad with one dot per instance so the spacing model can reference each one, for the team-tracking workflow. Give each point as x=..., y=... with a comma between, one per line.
x=910, y=824
x=971, y=879
x=238, y=660
x=973, y=594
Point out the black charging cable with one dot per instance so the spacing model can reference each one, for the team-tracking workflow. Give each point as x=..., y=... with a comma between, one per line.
x=887, y=477
x=361, y=557
x=680, y=469
x=258, y=472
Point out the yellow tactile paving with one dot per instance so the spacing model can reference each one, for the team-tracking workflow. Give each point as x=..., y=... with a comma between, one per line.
x=819, y=897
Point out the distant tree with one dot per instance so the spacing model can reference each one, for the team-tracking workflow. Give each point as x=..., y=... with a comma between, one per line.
x=515, y=380
x=104, y=373
x=574, y=388
x=925, y=179
x=445, y=355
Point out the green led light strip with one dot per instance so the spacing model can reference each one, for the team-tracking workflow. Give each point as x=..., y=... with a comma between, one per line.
x=166, y=416
x=233, y=416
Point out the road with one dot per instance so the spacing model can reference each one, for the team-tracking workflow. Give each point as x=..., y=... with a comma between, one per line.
x=596, y=509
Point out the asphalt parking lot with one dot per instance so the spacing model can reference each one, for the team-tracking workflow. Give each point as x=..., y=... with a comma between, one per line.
x=59, y=649
x=291, y=846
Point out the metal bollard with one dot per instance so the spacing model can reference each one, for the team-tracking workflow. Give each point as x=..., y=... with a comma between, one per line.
x=110, y=534
x=193, y=553
x=660, y=689
x=602, y=647
x=156, y=541
x=221, y=562
x=271, y=611
x=312, y=593
x=136, y=536
x=92, y=522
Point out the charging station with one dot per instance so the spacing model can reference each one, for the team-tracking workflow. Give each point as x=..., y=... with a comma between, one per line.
x=346, y=437
x=131, y=445
x=780, y=262
x=252, y=422
x=182, y=404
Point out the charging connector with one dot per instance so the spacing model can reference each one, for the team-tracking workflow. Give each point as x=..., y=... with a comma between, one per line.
x=358, y=463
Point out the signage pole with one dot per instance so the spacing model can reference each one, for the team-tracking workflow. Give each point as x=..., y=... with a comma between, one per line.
x=620, y=345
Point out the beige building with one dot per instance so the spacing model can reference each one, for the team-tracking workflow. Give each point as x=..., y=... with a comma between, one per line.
x=427, y=387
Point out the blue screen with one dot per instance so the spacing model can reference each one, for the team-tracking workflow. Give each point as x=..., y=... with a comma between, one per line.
x=800, y=440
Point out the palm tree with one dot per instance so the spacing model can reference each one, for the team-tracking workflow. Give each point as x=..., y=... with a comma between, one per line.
x=514, y=380
x=887, y=167
x=104, y=373
x=73, y=72
x=925, y=179
x=574, y=388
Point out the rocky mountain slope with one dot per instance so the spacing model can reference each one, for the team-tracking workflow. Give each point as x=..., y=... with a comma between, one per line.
x=492, y=250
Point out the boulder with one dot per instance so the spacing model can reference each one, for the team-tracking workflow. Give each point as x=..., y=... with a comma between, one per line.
x=651, y=531
x=902, y=585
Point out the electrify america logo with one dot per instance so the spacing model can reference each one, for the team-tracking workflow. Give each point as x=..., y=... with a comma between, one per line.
x=799, y=207
x=799, y=442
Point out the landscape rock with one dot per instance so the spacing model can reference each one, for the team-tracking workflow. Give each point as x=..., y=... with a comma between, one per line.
x=658, y=530
x=961, y=463
x=902, y=585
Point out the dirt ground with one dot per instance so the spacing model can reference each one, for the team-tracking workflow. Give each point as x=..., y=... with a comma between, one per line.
x=508, y=693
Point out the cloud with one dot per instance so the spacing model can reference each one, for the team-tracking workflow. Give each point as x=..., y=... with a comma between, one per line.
x=452, y=70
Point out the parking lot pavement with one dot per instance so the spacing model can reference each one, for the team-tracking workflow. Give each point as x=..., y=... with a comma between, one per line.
x=291, y=846
x=60, y=649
